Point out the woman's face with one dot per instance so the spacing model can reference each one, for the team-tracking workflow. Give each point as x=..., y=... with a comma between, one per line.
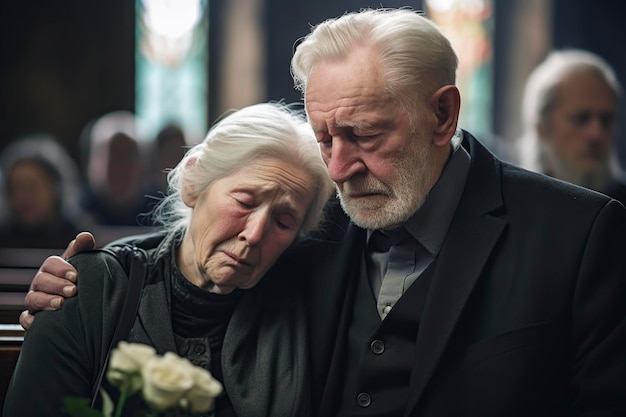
x=241, y=223
x=32, y=194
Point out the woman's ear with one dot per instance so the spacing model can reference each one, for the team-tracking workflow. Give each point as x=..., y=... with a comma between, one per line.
x=445, y=104
x=188, y=194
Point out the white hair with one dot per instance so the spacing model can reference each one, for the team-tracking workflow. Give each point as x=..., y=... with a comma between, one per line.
x=416, y=56
x=540, y=94
x=261, y=130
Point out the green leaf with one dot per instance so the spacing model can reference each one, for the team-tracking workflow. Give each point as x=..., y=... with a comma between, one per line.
x=79, y=407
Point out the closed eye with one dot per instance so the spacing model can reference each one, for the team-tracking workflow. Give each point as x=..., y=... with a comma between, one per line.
x=282, y=225
x=324, y=139
x=364, y=138
x=244, y=205
x=285, y=221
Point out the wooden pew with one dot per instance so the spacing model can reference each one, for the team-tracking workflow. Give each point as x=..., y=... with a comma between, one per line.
x=11, y=337
x=17, y=269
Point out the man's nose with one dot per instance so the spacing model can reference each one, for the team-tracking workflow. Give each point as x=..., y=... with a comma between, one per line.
x=344, y=161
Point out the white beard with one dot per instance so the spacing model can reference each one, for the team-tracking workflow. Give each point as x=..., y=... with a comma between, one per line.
x=393, y=203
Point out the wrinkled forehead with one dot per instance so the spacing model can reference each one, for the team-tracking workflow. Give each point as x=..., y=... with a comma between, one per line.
x=277, y=179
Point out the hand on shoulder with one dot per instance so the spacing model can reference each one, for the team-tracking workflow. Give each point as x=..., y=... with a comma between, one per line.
x=55, y=280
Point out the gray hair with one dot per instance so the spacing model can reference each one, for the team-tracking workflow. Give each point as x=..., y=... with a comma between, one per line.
x=541, y=91
x=417, y=57
x=262, y=130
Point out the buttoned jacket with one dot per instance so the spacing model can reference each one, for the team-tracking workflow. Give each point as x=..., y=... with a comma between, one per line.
x=526, y=311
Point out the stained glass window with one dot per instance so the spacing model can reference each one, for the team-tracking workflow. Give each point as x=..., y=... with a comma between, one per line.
x=171, y=65
x=469, y=25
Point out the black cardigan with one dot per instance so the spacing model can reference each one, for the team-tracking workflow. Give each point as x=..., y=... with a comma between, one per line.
x=264, y=356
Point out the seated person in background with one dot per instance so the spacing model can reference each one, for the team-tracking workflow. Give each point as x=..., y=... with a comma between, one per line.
x=169, y=148
x=39, y=191
x=116, y=171
x=241, y=197
x=570, y=112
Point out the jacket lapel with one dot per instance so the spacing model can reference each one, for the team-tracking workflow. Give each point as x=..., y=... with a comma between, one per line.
x=473, y=234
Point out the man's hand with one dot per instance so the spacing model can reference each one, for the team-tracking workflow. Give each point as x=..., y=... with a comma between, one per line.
x=55, y=280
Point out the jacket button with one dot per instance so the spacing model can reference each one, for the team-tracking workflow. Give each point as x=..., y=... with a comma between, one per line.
x=377, y=346
x=363, y=399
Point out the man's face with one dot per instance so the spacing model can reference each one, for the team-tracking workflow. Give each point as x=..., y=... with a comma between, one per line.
x=241, y=223
x=383, y=169
x=578, y=132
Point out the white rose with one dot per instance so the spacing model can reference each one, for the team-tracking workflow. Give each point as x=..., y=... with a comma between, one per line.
x=125, y=365
x=165, y=380
x=199, y=399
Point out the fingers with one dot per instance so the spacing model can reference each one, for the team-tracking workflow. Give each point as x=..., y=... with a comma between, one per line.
x=37, y=301
x=84, y=241
x=26, y=319
x=53, y=273
x=54, y=281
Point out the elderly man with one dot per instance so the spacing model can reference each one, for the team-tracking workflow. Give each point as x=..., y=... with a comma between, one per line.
x=463, y=286
x=570, y=112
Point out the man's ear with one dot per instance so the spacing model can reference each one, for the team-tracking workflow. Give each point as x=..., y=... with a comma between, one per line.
x=188, y=194
x=445, y=104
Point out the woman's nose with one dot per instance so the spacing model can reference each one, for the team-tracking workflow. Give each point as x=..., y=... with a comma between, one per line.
x=254, y=228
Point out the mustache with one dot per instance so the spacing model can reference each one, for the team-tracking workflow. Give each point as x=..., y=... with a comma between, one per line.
x=365, y=184
x=593, y=149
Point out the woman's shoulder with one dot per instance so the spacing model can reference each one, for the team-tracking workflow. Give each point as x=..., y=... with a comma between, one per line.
x=98, y=268
x=144, y=241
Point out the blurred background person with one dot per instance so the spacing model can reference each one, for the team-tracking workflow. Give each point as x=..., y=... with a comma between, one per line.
x=168, y=150
x=570, y=115
x=115, y=168
x=40, y=193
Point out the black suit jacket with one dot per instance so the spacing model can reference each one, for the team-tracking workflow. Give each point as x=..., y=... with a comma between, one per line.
x=526, y=312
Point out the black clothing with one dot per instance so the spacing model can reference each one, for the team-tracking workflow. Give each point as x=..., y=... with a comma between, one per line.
x=524, y=315
x=264, y=357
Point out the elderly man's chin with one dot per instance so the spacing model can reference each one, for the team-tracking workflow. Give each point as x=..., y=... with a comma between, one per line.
x=378, y=212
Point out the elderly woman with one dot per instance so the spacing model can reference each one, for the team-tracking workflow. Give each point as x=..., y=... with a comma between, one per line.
x=237, y=201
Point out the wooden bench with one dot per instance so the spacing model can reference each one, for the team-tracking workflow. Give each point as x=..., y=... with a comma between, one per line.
x=17, y=269
x=11, y=337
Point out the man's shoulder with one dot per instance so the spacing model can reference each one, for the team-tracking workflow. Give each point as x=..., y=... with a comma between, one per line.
x=617, y=190
x=521, y=188
x=527, y=184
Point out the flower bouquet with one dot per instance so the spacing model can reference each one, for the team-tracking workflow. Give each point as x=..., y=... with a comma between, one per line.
x=166, y=383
